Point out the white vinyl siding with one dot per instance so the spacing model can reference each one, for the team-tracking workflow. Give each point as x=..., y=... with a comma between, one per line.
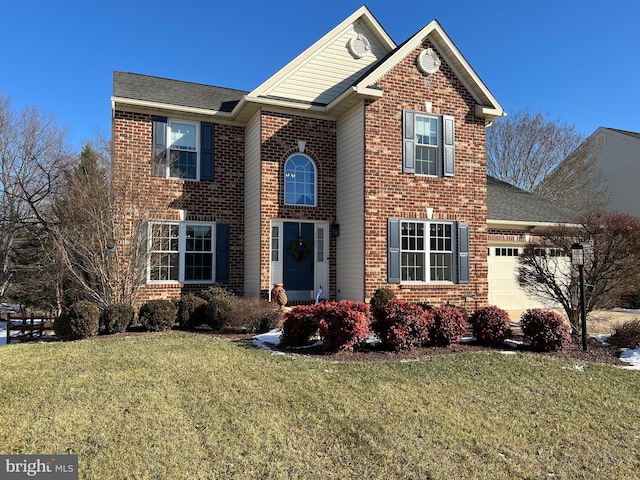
x=328, y=73
x=252, y=219
x=619, y=160
x=350, y=214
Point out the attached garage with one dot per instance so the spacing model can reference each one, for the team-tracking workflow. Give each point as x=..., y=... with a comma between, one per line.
x=504, y=290
x=513, y=217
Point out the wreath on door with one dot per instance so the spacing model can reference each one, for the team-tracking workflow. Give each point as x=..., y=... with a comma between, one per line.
x=300, y=248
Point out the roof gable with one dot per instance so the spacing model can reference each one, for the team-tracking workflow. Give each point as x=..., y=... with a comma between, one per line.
x=328, y=67
x=487, y=106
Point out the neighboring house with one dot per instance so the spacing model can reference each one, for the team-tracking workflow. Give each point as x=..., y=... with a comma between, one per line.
x=359, y=165
x=514, y=218
x=609, y=175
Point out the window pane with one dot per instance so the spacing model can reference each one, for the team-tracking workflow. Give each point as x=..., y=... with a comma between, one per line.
x=164, y=266
x=441, y=266
x=183, y=136
x=426, y=158
x=198, y=266
x=275, y=240
x=426, y=131
x=183, y=164
x=299, y=181
x=413, y=267
x=320, y=245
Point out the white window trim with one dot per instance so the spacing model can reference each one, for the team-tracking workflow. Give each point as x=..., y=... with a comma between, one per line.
x=438, y=149
x=197, y=150
x=315, y=186
x=182, y=250
x=427, y=252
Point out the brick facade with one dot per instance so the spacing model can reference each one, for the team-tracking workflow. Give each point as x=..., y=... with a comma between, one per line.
x=220, y=200
x=392, y=193
x=279, y=140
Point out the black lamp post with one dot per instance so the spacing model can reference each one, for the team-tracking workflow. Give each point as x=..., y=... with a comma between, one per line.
x=579, y=255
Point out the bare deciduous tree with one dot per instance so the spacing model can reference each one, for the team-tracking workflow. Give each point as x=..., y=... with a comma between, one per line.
x=524, y=148
x=33, y=153
x=544, y=269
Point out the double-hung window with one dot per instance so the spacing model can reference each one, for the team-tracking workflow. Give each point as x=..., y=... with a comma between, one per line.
x=182, y=149
x=188, y=252
x=426, y=251
x=428, y=144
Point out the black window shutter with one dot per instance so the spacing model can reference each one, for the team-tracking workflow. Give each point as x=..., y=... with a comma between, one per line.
x=408, y=141
x=159, y=160
x=222, y=252
x=448, y=145
x=206, y=150
x=463, y=253
x=393, y=247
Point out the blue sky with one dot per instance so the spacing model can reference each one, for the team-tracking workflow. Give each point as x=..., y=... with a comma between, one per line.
x=577, y=61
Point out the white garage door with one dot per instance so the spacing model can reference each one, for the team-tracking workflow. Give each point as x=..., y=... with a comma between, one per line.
x=504, y=291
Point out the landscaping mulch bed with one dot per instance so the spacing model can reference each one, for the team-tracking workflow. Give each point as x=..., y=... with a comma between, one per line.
x=596, y=351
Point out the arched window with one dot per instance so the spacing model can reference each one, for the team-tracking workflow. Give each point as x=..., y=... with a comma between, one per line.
x=300, y=181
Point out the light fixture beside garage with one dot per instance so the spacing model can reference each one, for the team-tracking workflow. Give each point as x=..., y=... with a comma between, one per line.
x=428, y=61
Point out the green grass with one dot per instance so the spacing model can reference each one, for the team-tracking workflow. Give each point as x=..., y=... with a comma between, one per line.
x=187, y=406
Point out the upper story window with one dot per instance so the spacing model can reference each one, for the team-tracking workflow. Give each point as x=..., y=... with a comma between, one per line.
x=182, y=149
x=428, y=144
x=300, y=181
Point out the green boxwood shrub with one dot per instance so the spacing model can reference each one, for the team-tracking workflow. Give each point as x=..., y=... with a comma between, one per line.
x=157, y=315
x=117, y=317
x=191, y=311
x=491, y=326
x=216, y=312
x=545, y=330
x=81, y=320
x=380, y=298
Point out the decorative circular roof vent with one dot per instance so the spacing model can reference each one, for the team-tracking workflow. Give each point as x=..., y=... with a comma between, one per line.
x=359, y=46
x=428, y=61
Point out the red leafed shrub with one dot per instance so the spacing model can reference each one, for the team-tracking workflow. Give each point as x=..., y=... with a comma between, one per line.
x=448, y=327
x=404, y=325
x=343, y=324
x=300, y=324
x=491, y=326
x=545, y=330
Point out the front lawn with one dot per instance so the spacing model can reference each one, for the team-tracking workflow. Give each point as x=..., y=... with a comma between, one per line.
x=189, y=406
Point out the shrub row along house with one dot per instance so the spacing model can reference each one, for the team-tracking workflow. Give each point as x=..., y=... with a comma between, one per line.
x=359, y=165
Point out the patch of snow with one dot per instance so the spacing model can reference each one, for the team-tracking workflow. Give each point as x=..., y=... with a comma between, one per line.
x=467, y=339
x=3, y=333
x=507, y=352
x=513, y=343
x=625, y=310
x=603, y=339
x=632, y=357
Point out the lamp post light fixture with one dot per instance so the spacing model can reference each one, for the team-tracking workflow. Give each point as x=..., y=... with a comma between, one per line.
x=579, y=256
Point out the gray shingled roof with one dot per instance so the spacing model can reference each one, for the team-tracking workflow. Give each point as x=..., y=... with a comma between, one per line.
x=506, y=202
x=625, y=132
x=175, y=92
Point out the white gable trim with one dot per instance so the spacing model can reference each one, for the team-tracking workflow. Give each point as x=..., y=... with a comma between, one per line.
x=489, y=106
